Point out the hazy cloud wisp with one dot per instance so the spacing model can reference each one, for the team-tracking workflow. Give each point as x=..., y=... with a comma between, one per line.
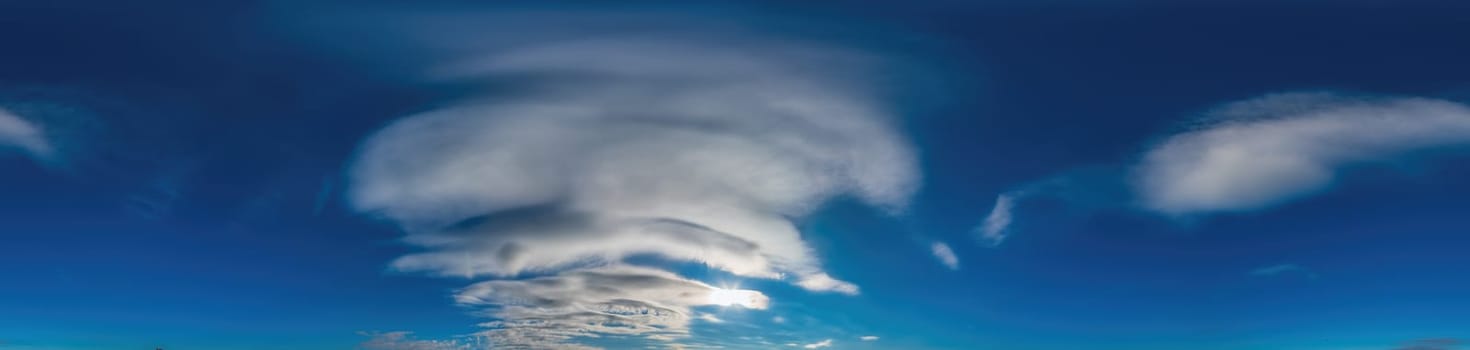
x=16, y=132
x=945, y=255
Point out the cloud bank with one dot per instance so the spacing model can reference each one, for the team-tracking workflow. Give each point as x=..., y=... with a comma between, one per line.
x=22, y=135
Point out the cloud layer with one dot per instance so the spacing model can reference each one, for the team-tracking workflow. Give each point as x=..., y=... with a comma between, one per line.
x=548, y=312
x=1276, y=148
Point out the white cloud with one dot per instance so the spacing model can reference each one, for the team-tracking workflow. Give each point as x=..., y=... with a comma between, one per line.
x=1273, y=149
x=778, y=319
x=682, y=149
x=823, y=282
x=405, y=341
x=611, y=300
x=599, y=145
x=711, y=318
x=1255, y=154
x=16, y=132
x=818, y=345
x=994, y=230
x=868, y=338
x=945, y=255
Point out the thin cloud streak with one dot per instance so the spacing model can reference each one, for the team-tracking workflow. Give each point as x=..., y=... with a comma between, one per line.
x=818, y=345
x=993, y=231
x=1282, y=269
x=29, y=138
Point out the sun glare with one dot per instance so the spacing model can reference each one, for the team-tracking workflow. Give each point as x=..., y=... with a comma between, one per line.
x=729, y=297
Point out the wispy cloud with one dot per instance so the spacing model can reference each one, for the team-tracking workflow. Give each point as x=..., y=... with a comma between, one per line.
x=993, y=231
x=818, y=345
x=23, y=135
x=1269, y=150
x=1251, y=155
x=1281, y=269
x=1432, y=344
x=406, y=341
x=945, y=255
x=868, y=338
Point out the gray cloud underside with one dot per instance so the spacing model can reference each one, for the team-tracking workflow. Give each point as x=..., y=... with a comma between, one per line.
x=621, y=300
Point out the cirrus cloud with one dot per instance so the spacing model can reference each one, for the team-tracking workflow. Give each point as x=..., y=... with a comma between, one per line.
x=18, y=133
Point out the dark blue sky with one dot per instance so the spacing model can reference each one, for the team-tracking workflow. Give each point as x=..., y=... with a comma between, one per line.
x=204, y=172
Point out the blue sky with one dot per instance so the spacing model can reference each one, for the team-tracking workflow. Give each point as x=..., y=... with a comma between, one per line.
x=740, y=175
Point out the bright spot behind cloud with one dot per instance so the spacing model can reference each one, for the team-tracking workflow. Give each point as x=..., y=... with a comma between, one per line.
x=737, y=297
x=1272, y=149
x=818, y=345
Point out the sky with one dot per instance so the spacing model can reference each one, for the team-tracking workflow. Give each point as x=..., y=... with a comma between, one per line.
x=1013, y=175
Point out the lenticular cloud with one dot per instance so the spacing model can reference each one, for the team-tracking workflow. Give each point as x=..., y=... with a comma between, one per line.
x=613, y=148
x=1276, y=148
